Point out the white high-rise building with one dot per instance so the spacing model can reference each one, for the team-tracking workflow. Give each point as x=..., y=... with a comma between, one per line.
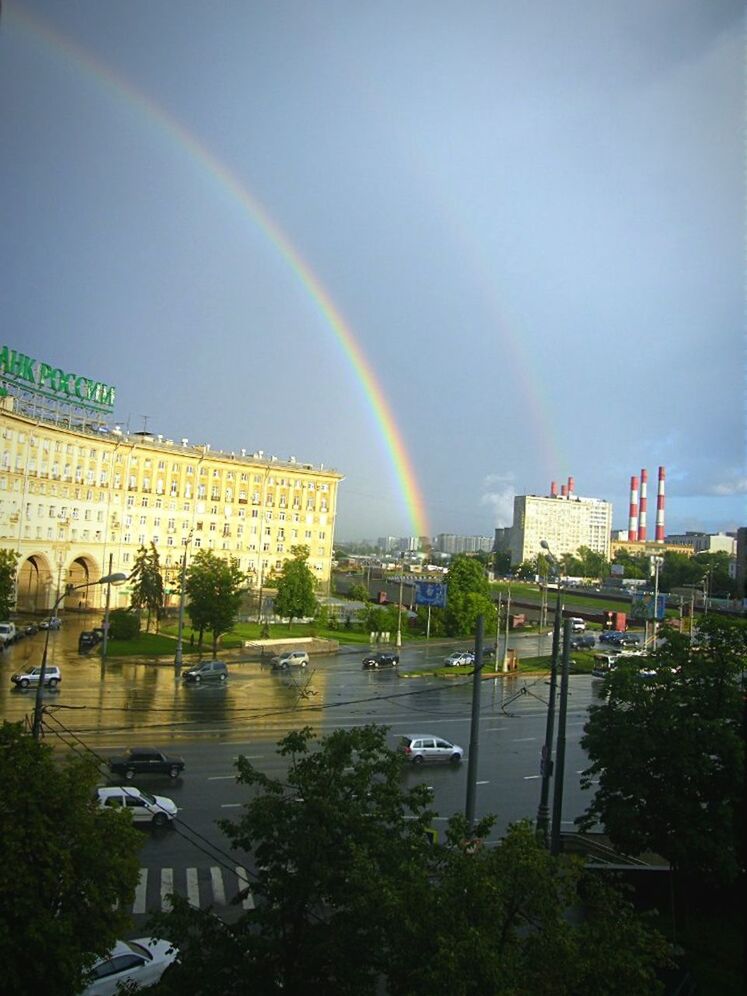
x=566, y=523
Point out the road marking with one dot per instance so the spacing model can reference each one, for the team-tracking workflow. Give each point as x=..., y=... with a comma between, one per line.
x=139, y=904
x=218, y=891
x=494, y=729
x=167, y=886
x=230, y=805
x=193, y=890
x=523, y=740
x=482, y=783
x=248, y=901
x=249, y=757
x=529, y=778
x=220, y=778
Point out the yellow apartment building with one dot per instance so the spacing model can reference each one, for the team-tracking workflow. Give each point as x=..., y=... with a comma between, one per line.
x=77, y=496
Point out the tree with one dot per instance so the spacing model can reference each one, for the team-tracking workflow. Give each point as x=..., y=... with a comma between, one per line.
x=147, y=584
x=592, y=564
x=67, y=868
x=123, y=624
x=349, y=888
x=295, y=587
x=468, y=597
x=359, y=593
x=8, y=568
x=213, y=588
x=669, y=753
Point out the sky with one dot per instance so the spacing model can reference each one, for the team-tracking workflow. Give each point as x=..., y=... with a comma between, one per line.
x=454, y=249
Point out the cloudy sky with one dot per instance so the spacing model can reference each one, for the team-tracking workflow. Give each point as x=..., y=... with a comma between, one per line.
x=454, y=249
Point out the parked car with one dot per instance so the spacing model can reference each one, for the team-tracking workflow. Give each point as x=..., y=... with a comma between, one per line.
x=52, y=677
x=578, y=625
x=488, y=650
x=426, y=747
x=610, y=636
x=142, y=806
x=145, y=761
x=584, y=642
x=207, y=671
x=31, y=629
x=630, y=640
x=292, y=658
x=385, y=658
x=603, y=664
x=8, y=633
x=142, y=962
x=459, y=658
x=52, y=623
x=86, y=640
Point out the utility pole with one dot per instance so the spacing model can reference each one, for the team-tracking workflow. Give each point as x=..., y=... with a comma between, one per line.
x=399, y=613
x=105, y=642
x=497, y=631
x=508, y=614
x=474, y=734
x=546, y=762
x=182, y=597
x=557, y=802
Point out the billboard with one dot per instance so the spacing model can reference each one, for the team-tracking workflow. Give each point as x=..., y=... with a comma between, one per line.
x=642, y=605
x=427, y=593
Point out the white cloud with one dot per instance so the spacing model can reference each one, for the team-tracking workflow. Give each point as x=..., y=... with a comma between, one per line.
x=736, y=487
x=499, y=491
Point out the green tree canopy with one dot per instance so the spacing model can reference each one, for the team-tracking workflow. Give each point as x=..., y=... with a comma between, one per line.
x=668, y=753
x=147, y=591
x=67, y=868
x=468, y=597
x=213, y=589
x=353, y=898
x=8, y=569
x=295, y=585
x=359, y=592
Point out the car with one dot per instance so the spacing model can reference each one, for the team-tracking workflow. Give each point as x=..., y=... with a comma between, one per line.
x=52, y=677
x=31, y=629
x=460, y=658
x=421, y=748
x=52, y=623
x=582, y=642
x=142, y=806
x=610, y=636
x=8, y=633
x=291, y=658
x=385, y=658
x=146, y=761
x=141, y=961
x=86, y=640
x=207, y=671
x=629, y=640
x=603, y=664
x=488, y=650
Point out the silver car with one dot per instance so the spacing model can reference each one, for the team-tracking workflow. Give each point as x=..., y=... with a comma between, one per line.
x=420, y=748
x=23, y=679
x=460, y=658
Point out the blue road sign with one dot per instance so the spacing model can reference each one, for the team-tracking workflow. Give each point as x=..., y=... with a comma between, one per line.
x=427, y=593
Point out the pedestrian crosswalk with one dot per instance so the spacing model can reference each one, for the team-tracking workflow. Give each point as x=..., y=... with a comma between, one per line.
x=201, y=887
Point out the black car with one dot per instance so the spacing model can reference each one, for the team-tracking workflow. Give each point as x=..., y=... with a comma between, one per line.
x=584, y=642
x=383, y=659
x=86, y=640
x=146, y=761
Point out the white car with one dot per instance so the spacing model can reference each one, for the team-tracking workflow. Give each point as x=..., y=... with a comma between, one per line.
x=142, y=961
x=292, y=658
x=143, y=807
x=423, y=748
x=460, y=658
x=52, y=677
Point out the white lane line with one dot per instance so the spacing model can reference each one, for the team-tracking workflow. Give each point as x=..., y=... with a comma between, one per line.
x=494, y=729
x=193, y=890
x=523, y=740
x=230, y=805
x=218, y=890
x=249, y=757
x=529, y=778
x=167, y=886
x=482, y=783
x=220, y=778
x=248, y=901
x=139, y=904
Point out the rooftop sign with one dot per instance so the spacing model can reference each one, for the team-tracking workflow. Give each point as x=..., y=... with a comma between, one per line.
x=17, y=369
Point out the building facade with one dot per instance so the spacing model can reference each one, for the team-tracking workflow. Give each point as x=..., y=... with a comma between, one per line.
x=706, y=542
x=565, y=522
x=76, y=502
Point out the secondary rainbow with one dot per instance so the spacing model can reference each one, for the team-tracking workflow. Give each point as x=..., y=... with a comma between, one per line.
x=121, y=89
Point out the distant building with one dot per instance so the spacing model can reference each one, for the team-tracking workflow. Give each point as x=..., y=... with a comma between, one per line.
x=566, y=522
x=451, y=543
x=706, y=542
x=387, y=543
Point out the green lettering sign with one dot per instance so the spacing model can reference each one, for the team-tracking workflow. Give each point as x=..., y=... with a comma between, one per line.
x=53, y=382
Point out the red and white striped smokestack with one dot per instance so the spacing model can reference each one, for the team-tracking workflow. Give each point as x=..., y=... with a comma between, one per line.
x=553, y=489
x=660, y=506
x=644, y=506
x=563, y=490
x=633, y=514
x=571, y=486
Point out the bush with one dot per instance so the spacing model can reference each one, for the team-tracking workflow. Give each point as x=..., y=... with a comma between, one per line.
x=123, y=625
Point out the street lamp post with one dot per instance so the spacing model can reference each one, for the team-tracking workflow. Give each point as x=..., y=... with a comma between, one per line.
x=657, y=562
x=399, y=612
x=38, y=703
x=182, y=595
x=546, y=763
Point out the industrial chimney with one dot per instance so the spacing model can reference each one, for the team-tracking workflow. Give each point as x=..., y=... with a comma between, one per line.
x=633, y=513
x=571, y=486
x=563, y=490
x=553, y=489
x=660, y=507
x=644, y=506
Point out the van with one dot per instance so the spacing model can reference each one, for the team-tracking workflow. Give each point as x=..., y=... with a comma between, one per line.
x=578, y=625
x=7, y=633
x=207, y=671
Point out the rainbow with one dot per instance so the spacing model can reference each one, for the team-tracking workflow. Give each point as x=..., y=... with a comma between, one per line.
x=121, y=89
